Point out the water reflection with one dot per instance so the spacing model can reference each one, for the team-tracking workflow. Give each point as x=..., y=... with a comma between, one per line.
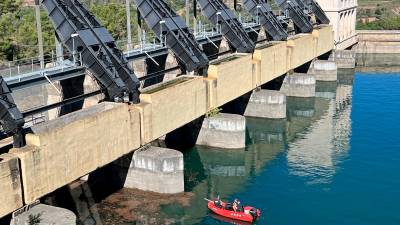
x=211, y=172
x=319, y=131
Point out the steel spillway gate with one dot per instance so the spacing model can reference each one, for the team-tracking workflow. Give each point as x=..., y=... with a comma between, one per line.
x=316, y=9
x=82, y=33
x=117, y=57
x=296, y=13
x=227, y=23
x=174, y=33
x=11, y=119
x=263, y=12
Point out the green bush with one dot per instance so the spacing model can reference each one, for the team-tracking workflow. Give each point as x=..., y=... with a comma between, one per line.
x=392, y=23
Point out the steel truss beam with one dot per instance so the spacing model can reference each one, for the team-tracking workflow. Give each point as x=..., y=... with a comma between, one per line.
x=95, y=45
x=296, y=13
x=173, y=31
x=227, y=23
x=263, y=12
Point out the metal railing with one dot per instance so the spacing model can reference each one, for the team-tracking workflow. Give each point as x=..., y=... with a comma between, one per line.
x=32, y=65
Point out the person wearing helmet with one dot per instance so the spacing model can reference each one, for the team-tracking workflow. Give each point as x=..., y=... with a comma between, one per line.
x=236, y=205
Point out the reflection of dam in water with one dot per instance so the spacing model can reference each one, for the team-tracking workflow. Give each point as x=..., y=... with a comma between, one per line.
x=211, y=172
x=319, y=133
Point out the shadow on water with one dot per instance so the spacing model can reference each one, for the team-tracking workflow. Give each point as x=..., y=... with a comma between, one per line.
x=209, y=172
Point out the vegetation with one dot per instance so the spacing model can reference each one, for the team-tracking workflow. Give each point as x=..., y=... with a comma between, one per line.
x=386, y=14
x=213, y=112
x=34, y=219
x=392, y=23
x=18, y=36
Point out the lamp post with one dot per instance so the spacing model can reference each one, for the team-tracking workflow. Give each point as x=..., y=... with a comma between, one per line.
x=162, y=22
x=218, y=26
x=73, y=36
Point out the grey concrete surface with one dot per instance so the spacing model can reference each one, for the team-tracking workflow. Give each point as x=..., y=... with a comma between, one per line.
x=223, y=131
x=299, y=85
x=324, y=70
x=267, y=104
x=155, y=169
x=48, y=215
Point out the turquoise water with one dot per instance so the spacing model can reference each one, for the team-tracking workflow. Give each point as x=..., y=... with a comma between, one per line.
x=334, y=160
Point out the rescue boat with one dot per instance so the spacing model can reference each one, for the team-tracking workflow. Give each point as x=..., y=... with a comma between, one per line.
x=247, y=214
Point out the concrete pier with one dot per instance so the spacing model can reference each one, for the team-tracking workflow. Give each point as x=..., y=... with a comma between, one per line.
x=154, y=169
x=267, y=104
x=45, y=215
x=299, y=85
x=10, y=184
x=223, y=131
x=345, y=59
x=324, y=70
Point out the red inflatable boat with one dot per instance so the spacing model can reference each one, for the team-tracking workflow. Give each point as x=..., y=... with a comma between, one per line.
x=248, y=214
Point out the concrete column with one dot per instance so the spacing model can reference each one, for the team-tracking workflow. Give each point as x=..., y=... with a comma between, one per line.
x=59, y=51
x=128, y=24
x=345, y=59
x=267, y=104
x=224, y=46
x=187, y=9
x=47, y=215
x=154, y=169
x=324, y=70
x=299, y=85
x=223, y=131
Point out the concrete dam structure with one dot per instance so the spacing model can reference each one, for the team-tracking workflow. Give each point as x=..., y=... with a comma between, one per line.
x=64, y=149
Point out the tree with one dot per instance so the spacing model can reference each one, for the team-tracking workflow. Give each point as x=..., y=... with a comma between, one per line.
x=9, y=6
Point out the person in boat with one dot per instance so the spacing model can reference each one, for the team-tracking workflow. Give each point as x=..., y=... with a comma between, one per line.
x=237, y=207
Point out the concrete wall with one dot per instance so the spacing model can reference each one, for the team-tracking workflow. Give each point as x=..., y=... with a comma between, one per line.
x=71, y=146
x=270, y=61
x=342, y=14
x=170, y=105
x=379, y=42
x=10, y=184
x=232, y=77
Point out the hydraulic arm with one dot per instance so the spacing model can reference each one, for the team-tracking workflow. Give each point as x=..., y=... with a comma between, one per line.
x=316, y=9
x=173, y=31
x=227, y=23
x=263, y=11
x=80, y=32
x=297, y=14
x=11, y=119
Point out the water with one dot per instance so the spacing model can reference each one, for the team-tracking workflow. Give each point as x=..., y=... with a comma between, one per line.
x=334, y=160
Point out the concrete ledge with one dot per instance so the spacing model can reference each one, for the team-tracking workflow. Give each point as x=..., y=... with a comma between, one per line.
x=267, y=104
x=10, y=184
x=234, y=77
x=324, y=70
x=223, y=131
x=156, y=169
x=71, y=146
x=299, y=85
